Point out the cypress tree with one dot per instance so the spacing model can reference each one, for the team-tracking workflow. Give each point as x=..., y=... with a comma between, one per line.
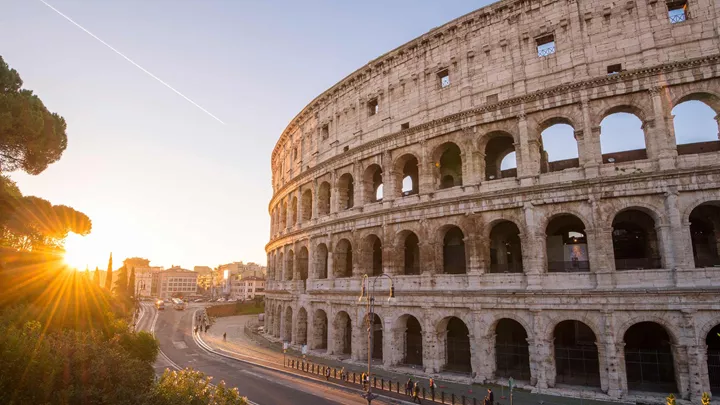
x=131, y=282
x=108, y=276
x=96, y=277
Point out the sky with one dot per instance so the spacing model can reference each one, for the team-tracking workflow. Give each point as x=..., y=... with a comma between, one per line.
x=159, y=177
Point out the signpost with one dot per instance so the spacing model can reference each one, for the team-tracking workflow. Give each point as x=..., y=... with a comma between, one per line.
x=510, y=384
x=285, y=347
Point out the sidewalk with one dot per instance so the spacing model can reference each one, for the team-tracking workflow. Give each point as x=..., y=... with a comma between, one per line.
x=256, y=346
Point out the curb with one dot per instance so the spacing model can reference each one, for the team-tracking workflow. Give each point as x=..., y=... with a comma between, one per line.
x=201, y=343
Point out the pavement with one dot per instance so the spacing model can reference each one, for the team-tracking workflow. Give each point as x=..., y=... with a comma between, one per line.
x=260, y=384
x=256, y=348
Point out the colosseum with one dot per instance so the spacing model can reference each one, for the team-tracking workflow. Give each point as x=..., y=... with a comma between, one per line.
x=430, y=169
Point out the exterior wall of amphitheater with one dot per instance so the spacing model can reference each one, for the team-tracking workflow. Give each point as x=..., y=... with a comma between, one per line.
x=396, y=108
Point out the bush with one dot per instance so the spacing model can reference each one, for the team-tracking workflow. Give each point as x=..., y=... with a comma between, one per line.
x=190, y=387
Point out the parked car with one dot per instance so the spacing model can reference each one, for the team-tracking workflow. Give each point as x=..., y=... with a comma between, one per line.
x=221, y=300
x=160, y=304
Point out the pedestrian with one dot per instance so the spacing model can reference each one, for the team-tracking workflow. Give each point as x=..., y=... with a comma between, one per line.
x=342, y=373
x=327, y=373
x=408, y=387
x=362, y=378
x=416, y=392
x=489, y=398
x=224, y=336
x=432, y=388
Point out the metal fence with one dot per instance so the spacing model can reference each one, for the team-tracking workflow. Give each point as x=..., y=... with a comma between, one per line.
x=513, y=360
x=713, y=356
x=388, y=387
x=577, y=365
x=650, y=370
x=569, y=266
x=638, y=264
x=506, y=268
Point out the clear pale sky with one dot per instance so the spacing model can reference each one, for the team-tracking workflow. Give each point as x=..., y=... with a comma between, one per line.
x=160, y=178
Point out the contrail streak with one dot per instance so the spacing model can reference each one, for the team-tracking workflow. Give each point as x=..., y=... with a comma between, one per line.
x=133, y=62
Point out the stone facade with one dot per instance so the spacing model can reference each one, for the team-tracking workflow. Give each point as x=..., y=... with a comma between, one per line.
x=511, y=272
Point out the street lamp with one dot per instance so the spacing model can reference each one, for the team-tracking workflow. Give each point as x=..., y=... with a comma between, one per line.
x=368, y=293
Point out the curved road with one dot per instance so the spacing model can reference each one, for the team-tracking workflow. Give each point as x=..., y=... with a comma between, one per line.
x=260, y=385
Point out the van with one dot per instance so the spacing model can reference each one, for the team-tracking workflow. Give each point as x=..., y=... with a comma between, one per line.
x=160, y=304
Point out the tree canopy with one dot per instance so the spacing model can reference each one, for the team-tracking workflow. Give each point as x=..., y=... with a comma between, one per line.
x=31, y=137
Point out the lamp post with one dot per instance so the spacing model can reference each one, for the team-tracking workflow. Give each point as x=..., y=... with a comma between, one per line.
x=368, y=293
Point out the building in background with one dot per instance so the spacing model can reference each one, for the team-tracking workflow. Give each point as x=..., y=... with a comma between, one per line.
x=176, y=282
x=247, y=288
x=242, y=269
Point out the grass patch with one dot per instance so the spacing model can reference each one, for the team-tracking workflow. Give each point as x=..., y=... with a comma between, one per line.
x=236, y=308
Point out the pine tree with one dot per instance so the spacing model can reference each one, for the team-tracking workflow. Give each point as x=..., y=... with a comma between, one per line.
x=108, y=276
x=121, y=283
x=131, y=282
x=96, y=277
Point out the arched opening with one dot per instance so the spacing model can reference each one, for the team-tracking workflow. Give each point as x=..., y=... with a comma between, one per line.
x=448, y=164
x=293, y=211
x=321, y=261
x=558, y=147
x=576, y=354
x=713, y=359
x=457, y=346
x=497, y=149
x=454, y=251
x=324, y=198
x=505, y=248
x=411, y=253
x=635, y=241
x=408, y=183
x=343, y=333
x=346, y=191
x=280, y=274
x=373, y=183
x=696, y=128
x=303, y=263
x=512, y=354
x=307, y=205
x=290, y=265
x=301, y=337
x=283, y=215
x=377, y=336
x=343, y=259
x=622, y=136
x=287, y=329
x=412, y=342
x=705, y=234
x=566, y=245
x=648, y=358
x=320, y=330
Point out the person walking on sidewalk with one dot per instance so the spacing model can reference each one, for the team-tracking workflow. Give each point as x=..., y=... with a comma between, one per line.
x=489, y=398
x=224, y=336
x=342, y=373
x=432, y=388
x=408, y=387
x=327, y=373
x=416, y=392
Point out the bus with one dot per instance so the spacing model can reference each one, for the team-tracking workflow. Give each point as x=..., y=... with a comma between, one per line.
x=179, y=304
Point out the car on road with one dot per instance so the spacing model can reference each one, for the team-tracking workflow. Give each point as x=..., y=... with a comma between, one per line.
x=160, y=304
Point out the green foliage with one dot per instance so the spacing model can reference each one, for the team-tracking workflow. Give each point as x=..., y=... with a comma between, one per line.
x=705, y=400
x=121, y=283
x=131, y=282
x=141, y=346
x=109, y=275
x=31, y=137
x=670, y=400
x=38, y=366
x=190, y=387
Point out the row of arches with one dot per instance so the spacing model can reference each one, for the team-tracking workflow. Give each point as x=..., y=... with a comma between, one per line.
x=624, y=135
x=635, y=245
x=649, y=351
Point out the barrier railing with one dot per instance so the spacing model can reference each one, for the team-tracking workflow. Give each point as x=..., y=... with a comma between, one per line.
x=387, y=386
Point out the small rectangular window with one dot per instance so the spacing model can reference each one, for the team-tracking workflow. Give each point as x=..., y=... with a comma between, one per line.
x=677, y=11
x=444, y=78
x=493, y=98
x=614, y=69
x=295, y=155
x=373, y=107
x=545, y=45
x=404, y=126
x=325, y=131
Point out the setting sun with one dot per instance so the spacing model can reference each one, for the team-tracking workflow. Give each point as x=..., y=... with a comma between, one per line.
x=77, y=251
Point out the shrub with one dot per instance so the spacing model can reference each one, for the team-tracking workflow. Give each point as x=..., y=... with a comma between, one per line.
x=190, y=387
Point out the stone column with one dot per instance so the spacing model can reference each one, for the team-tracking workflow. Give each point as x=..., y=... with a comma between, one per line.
x=662, y=137
x=533, y=254
x=589, y=150
x=679, y=232
x=299, y=208
x=333, y=339
x=433, y=343
x=334, y=193
x=695, y=358
x=330, y=259
x=312, y=265
x=316, y=199
x=529, y=162
x=682, y=372
x=664, y=236
x=480, y=166
x=359, y=186
x=540, y=353
x=425, y=172
x=428, y=252
x=470, y=174
x=392, y=343
x=359, y=340
x=296, y=267
x=389, y=178
x=473, y=256
x=391, y=258
x=611, y=355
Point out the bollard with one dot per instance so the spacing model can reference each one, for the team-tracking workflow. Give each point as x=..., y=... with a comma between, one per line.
x=398, y=387
x=375, y=382
x=353, y=378
x=463, y=400
x=382, y=384
x=452, y=399
x=442, y=396
x=423, y=392
x=474, y=401
x=334, y=373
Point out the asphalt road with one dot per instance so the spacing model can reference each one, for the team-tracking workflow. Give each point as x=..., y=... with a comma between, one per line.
x=260, y=385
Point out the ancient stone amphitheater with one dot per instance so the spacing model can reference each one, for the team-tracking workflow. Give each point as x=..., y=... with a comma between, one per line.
x=598, y=272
